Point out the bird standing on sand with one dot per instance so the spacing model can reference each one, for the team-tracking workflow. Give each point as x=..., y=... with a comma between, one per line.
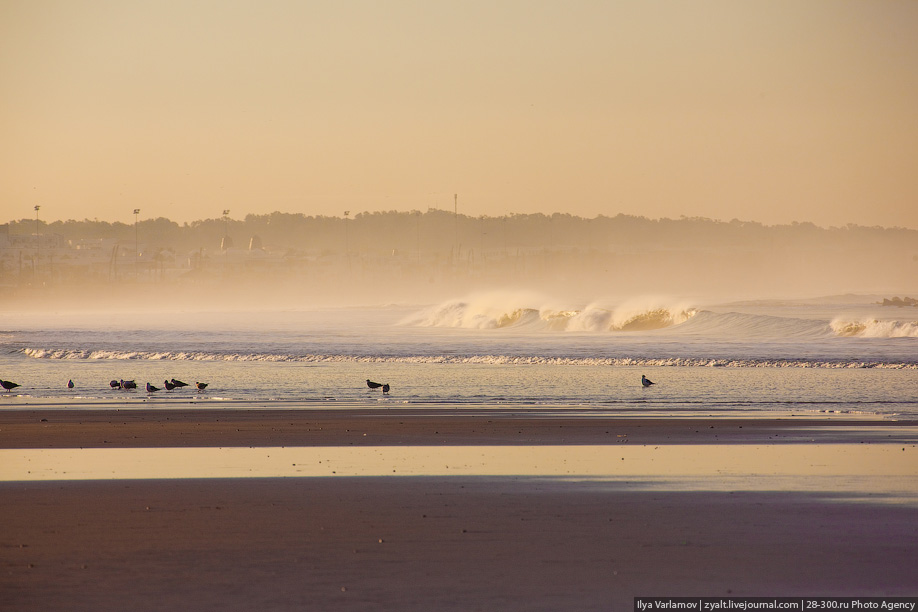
x=201, y=386
x=646, y=381
x=151, y=388
x=385, y=389
x=128, y=384
x=9, y=386
x=115, y=384
x=70, y=384
x=373, y=385
x=168, y=385
x=179, y=383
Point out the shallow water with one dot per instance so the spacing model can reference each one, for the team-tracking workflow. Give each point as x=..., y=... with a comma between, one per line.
x=678, y=390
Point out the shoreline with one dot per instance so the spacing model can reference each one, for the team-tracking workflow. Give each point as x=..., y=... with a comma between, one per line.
x=418, y=426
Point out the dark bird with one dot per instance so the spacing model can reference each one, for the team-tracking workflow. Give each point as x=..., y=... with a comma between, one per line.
x=115, y=384
x=70, y=384
x=169, y=386
x=151, y=388
x=179, y=383
x=9, y=386
x=385, y=388
x=373, y=385
x=201, y=386
x=128, y=384
x=646, y=381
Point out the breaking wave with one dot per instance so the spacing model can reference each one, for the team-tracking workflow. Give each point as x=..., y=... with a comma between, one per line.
x=872, y=328
x=527, y=312
x=495, y=312
x=471, y=359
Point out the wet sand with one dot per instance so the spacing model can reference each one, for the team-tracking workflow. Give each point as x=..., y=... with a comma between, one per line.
x=433, y=543
x=140, y=428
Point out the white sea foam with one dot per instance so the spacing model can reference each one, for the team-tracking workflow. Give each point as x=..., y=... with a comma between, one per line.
x=469, y=359
x=531, y=311
x=873, y=328
x=534, y=312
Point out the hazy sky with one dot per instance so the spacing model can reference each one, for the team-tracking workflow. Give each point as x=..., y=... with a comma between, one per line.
x=764, y=110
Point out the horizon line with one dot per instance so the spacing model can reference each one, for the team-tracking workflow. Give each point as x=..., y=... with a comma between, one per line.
x=349, y=216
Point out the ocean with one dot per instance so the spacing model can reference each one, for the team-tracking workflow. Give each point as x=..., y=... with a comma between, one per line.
x=840, y=355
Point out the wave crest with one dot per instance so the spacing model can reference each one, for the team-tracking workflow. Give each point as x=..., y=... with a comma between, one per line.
x=873, y=328
x=656, y=318
x=503, y=312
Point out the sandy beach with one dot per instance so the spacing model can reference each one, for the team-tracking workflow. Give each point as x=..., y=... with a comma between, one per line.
x=437, y=543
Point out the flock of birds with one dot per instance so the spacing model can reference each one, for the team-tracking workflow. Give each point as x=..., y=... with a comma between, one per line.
x=122, y=384
x=169, y=385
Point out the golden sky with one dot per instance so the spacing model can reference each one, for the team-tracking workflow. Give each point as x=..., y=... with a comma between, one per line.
x=766, y=110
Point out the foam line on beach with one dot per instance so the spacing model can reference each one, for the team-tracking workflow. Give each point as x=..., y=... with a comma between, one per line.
x=99, y=354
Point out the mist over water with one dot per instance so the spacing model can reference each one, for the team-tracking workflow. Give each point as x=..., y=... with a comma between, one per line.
x=283, y=261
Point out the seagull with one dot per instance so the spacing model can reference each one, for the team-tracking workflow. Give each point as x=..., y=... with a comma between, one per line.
x=373, y=385
x=201, y=386
x=179, y=383
x=385, y=388
x=115, y=384
x=70, y=384
x=151, y=388
x=128, y=384
x=9, y=386
x=646, y=381
x=169, y=386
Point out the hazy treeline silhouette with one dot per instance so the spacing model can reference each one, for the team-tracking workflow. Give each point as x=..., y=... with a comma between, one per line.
x=439, y=230
x=294, y=258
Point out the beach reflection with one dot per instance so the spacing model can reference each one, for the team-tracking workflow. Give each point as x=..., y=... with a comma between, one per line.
x=884, y=468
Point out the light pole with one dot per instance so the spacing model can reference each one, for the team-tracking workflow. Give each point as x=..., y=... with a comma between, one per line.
x=347, y=243
x=37, y=245
x=226, y=242
x=136, y=242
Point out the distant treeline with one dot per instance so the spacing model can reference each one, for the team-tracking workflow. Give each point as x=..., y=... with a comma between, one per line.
x=443, y=231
